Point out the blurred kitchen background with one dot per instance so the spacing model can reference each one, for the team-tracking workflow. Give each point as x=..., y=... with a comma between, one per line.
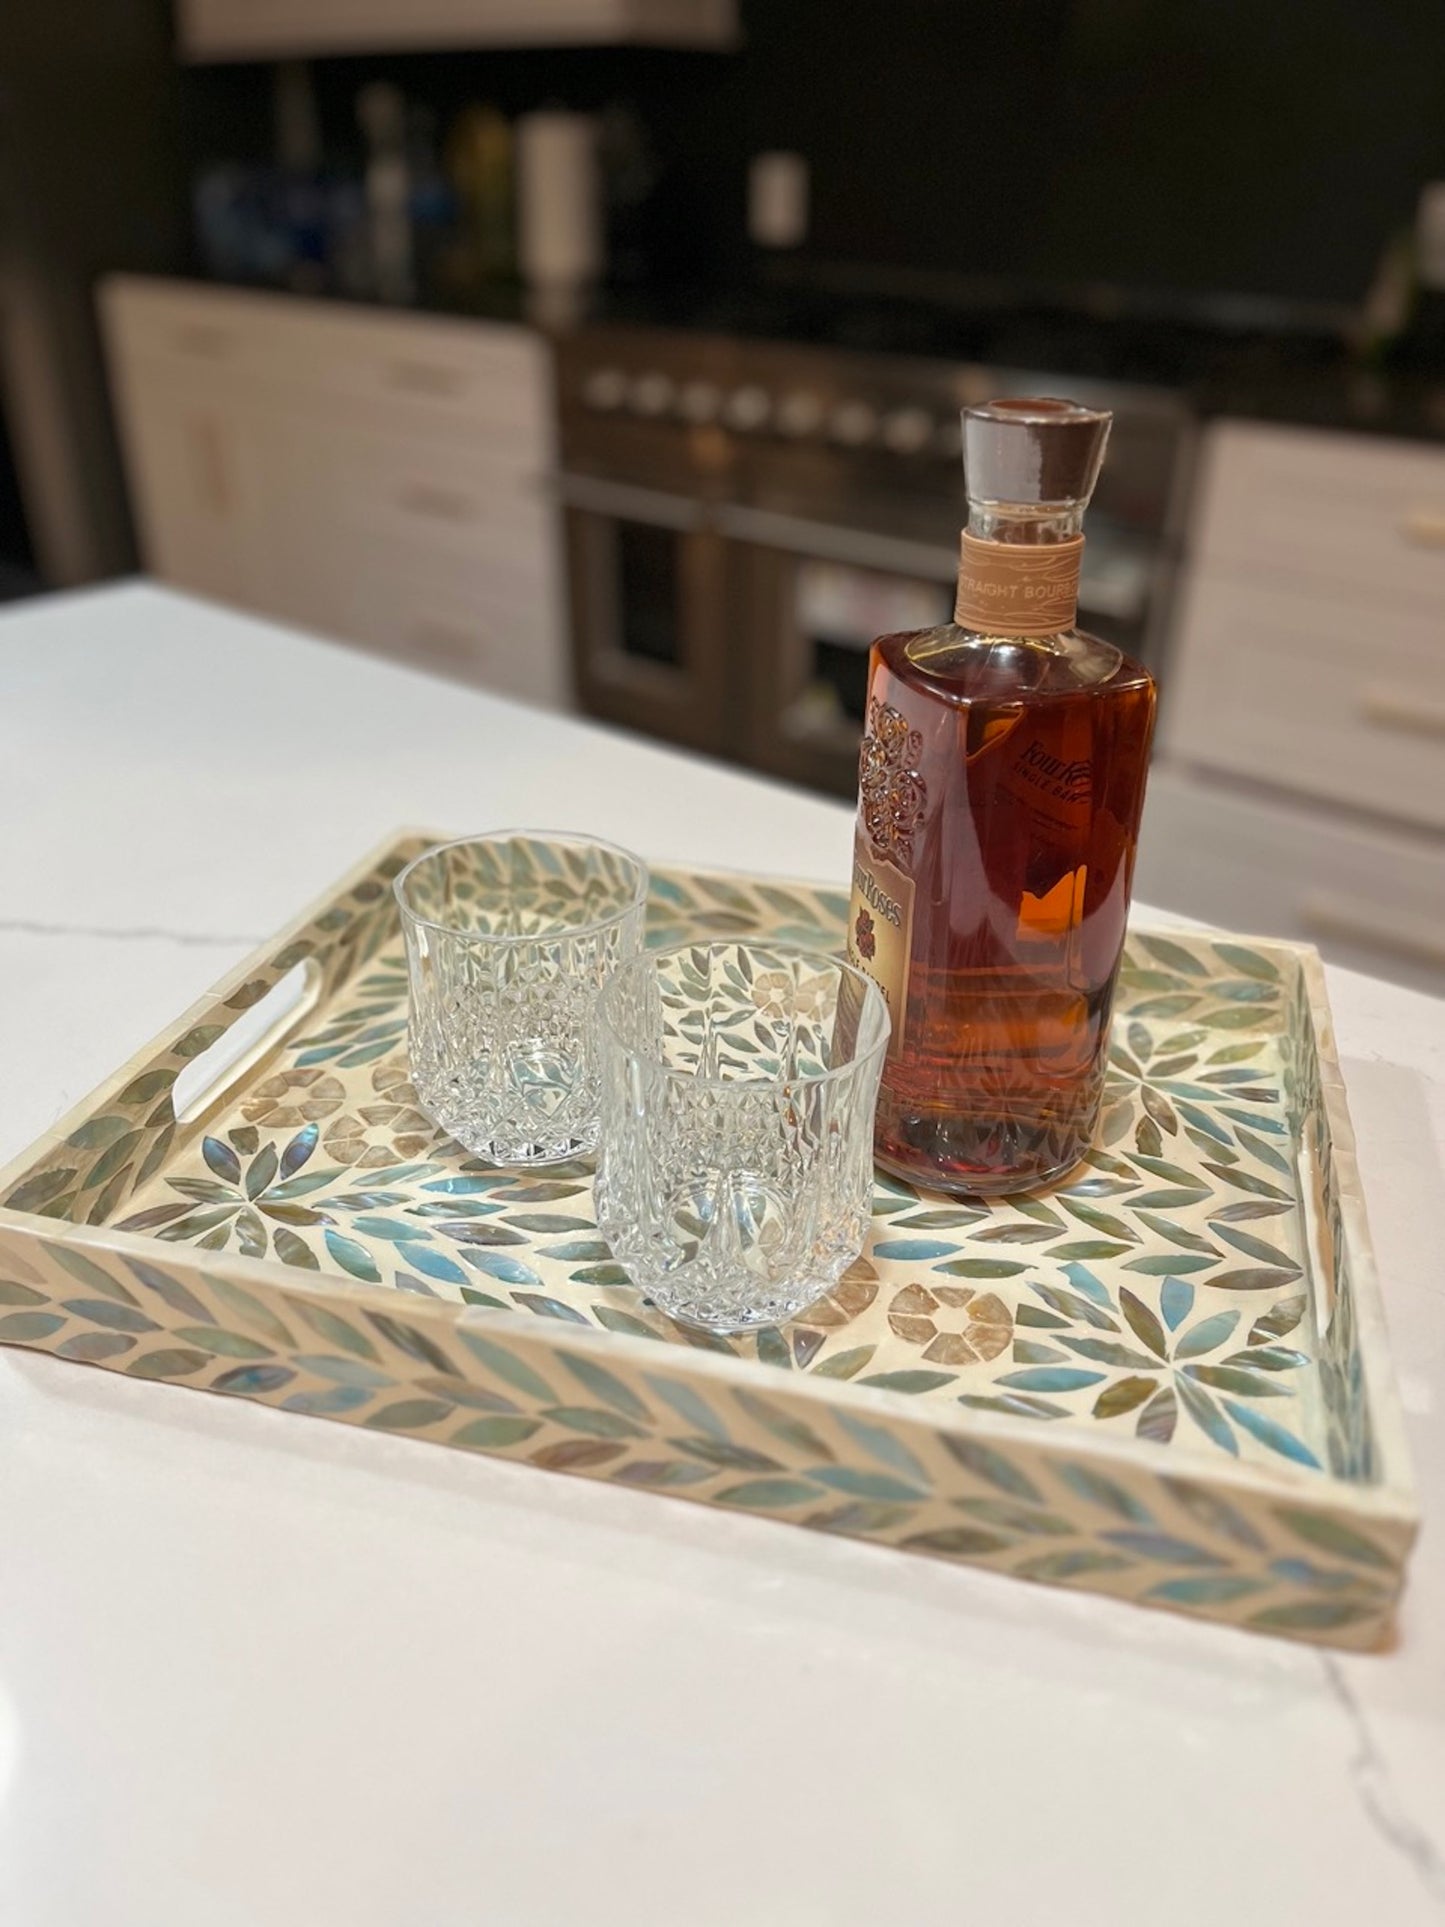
x=608, y=353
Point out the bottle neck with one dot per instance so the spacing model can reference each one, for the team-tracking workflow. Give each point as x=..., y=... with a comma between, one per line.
x=1019, y=566
x=1025, y=521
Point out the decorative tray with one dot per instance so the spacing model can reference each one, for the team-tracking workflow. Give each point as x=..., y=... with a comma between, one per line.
x=1167, y=1380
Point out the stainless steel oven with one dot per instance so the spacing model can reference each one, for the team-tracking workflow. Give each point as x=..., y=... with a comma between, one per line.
x=743, y=518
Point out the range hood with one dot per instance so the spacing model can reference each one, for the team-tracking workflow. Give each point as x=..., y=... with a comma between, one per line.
x=275, y=29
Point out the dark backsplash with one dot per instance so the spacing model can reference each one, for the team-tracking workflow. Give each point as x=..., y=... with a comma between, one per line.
x=1166, y=149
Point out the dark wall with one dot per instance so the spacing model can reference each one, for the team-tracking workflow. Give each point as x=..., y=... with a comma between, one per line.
x=1176, y=145
x=92, y=179
x=1246, y=146
x=1232, y=145
x=90, y=162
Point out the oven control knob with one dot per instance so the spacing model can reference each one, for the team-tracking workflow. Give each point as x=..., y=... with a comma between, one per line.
x=699, y=402
x=605, y=389
x=853, y=423
x=800, y=414
x=747, y=409
x=907, y=430
x=651, y=394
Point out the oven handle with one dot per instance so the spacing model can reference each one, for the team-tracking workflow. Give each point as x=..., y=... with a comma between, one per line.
x=894, y=555
x=1125, y=596
x=628, y=503
x=796, y=535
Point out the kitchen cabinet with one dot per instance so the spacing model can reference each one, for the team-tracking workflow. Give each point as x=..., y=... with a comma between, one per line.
x=1299, y=787
x=1370, y=896
x=265, y=29
x=1286, y=683
x=379, y=479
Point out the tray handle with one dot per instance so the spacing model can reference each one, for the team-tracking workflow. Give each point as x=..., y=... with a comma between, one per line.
x=255, y=1032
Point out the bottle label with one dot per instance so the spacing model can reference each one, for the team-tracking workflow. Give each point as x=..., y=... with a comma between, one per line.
x=1054, y=787
x=880, y=931
x=1018, y=588
x=892, y=807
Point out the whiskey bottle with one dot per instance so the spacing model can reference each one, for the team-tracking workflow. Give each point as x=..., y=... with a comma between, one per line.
x=1000, y=787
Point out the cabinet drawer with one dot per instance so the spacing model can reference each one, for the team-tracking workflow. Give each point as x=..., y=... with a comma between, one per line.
x=413, y=375
x=177, y=329
x=460, y=631
x=1371, y=899
x=1305, y=691
x=432, y=497
x=463, y=620
x=438, y=377
x=1351, y=513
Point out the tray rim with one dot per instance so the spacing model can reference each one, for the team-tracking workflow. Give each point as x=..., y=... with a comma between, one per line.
x=1391, y=1499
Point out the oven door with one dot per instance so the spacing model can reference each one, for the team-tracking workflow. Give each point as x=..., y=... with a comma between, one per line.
x=813, y=595
x=812, y=598
x=648, y=591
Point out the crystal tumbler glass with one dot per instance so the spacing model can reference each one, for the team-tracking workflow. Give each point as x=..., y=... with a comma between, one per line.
x=735, y=1174
x=508, y=939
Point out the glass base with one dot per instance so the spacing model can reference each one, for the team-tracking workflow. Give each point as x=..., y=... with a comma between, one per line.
x=723, y=1315
x=545, y=1113
x=513, y=1146
x=960, y=1182
x=510, y=1155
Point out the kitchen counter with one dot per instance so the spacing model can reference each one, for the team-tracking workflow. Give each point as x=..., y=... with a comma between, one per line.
x=1237, y=363
x=254, y=1668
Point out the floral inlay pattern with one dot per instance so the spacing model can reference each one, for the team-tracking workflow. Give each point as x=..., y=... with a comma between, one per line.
x=1153, y=1293
x=1161, y=1299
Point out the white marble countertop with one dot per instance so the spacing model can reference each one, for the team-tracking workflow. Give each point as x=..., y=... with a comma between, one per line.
x=255, y=1669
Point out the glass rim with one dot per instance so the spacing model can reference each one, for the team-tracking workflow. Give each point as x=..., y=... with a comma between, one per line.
x=575, y=838
x=873, y=999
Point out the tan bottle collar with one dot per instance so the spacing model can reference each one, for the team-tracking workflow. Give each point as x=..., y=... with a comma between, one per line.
x=1018, y=588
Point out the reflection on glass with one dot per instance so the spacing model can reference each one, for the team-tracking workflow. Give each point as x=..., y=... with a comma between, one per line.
x=647, y=569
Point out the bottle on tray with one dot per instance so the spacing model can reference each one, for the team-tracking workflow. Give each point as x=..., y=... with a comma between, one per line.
x=1000, y=788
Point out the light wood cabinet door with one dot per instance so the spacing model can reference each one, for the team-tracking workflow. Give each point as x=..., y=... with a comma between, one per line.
x=1283, y=684
x=195, y=472
x=1372, y=898
x=1309, y=653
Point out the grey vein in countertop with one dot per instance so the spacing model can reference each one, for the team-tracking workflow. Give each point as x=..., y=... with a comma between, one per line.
x=1374, y=1785
x=140, y=933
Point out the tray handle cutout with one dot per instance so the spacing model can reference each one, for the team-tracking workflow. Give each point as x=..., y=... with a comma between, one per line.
x=255, y=1032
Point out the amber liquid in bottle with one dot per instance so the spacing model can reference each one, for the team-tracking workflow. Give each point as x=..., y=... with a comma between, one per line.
x=1001, y=786
x=1029, y=784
